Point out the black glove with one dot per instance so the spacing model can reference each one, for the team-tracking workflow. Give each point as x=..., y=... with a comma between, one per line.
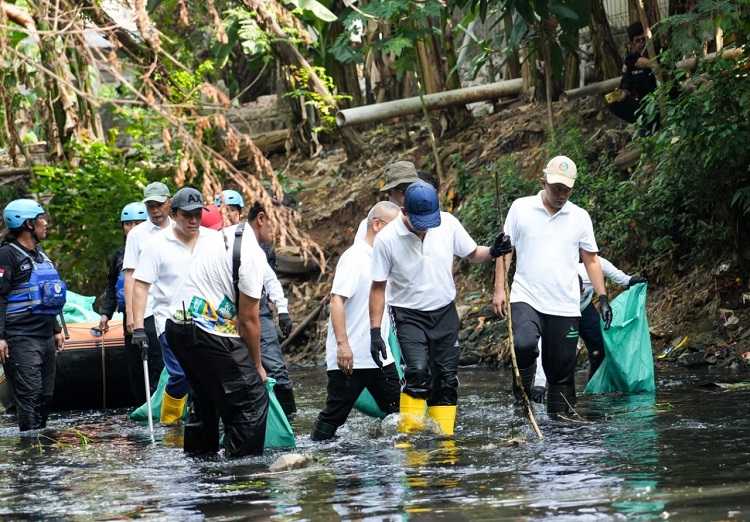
x=636, y=280
x=501, y=246
x=605, y=311
x=140, y=339
x=377, y=347
x=285, y=324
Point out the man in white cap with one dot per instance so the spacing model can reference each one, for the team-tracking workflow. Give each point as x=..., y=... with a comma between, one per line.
x=549, y=234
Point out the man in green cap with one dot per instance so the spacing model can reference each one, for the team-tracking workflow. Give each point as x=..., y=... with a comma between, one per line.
x=156, y=198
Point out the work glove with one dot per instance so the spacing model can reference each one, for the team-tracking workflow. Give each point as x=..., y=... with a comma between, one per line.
x=140, y=339
x=285, y=324
x=501, y=246
x=634, y=280
x=377, y=347
x=605, y=311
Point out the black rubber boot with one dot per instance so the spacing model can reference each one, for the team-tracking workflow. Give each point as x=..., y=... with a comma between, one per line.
x=560, y=399
x=322, y=431
x=285, y=396
x=527, y=381
x=198, y=439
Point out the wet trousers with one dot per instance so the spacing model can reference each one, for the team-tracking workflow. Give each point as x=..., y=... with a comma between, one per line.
x=177, y=384
x=31, y=374
x=344, y=390
x=430, y=353
x=135, y=363
x=225, y=385
x=591, y=333
x=559, y=341
x=270, y=352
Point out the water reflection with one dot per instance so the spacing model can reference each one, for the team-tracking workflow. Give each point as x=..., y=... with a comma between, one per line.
x=683, y=453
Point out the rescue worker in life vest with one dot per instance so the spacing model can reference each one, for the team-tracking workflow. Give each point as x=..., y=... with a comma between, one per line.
x=32, y=294
x=113, y=299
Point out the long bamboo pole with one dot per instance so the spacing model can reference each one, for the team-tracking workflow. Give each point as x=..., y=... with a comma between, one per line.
x=516, y=372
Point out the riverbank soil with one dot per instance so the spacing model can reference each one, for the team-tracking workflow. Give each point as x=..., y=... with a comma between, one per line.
x=699, y=315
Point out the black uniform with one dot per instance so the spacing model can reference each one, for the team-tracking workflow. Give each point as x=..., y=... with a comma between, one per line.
x=639, y=83
x=109, y=305
x=31, y=367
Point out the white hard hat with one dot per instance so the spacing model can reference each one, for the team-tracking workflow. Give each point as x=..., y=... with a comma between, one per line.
x=561, y=169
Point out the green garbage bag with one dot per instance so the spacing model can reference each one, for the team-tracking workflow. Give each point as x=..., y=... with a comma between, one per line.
x=141, y=412
x=79, y=309
x=628, y=366
x=366, y=402
x=279, y=433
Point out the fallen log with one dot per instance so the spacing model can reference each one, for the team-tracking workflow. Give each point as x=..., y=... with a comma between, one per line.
x=440, y=100
x=305, y=322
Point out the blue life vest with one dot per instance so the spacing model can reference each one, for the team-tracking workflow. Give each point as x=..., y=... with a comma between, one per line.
x=44, y=292
x=120, y=292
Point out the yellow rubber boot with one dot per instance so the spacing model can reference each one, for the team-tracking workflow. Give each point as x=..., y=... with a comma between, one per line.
x=172, y=410
x=444, y=416
x=411, y=414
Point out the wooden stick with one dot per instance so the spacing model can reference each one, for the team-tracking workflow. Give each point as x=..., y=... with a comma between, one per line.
x=514, y=362
x=305, y=322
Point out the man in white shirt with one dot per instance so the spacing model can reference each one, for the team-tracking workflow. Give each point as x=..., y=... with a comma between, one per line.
x=215, y=332
x=162, y=266
x=156, y=198
x=549, y=234
x=351, y=366
x=414, y=255
x=273, y=358
x=589, y=329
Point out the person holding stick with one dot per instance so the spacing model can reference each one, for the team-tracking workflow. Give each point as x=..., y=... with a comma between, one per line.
x=549, y=234
x=414, y=255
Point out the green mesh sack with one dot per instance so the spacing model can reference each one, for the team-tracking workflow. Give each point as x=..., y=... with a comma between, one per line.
x=141, y=412
x=366, y=402
x=79, y=309
x=279, y=433
x=628, y=365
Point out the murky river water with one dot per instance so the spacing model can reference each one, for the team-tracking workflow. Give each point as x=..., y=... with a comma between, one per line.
x=684, y=455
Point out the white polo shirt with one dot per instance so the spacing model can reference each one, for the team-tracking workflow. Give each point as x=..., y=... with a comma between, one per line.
x=164, y=264
x=352, y=280
x=208, y=290
x=140, y=235
x=610, y=272
x=547, y=252
x=420, y=273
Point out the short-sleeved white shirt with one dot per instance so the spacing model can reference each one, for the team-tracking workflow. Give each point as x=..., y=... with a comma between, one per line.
x=352, y=280
x=420, y=273
x=140, y=235
x=208, y=289
x=164, y=264
x=547, y=252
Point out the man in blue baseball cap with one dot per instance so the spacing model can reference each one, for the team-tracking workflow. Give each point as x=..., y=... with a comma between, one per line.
x=414, y=255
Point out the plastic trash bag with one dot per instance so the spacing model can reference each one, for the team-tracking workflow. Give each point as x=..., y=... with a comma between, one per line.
x=79, y=309
x=279, y=433
x=366, y=402
x=628, y=366
x=141, y=413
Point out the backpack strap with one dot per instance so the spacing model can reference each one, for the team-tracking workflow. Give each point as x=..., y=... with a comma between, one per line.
x=236, y=255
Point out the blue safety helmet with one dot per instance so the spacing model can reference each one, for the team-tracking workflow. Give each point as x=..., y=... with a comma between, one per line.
x=231, y=197
x=135, y=211
x=19, y=210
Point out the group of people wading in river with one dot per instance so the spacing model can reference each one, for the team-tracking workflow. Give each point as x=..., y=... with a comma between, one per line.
x=197, y=286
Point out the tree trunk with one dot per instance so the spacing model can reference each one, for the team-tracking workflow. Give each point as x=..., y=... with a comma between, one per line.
x=513, y=63
x=289, y=55
x=607, y=59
